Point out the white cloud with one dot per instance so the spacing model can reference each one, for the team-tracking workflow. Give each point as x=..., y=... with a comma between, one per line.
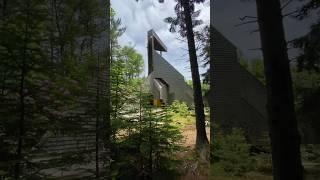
x=139, y=17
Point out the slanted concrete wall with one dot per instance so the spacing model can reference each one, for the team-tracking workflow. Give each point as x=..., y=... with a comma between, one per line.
x=56, y=145
x=178, y=89
x=238, y=99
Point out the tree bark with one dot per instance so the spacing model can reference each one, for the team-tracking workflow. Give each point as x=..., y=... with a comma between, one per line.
x=202, y=139
x=98, y=119
x=4, y=8
x=21, y=132
x=107, y=100
x=283, y=130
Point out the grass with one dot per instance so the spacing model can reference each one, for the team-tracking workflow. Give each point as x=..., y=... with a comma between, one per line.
x=251, y=177
x=188, y=120
x=183, y=121
x=217, y=173
x=262, y=169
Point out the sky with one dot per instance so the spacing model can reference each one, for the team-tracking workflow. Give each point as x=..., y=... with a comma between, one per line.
x=140, y=17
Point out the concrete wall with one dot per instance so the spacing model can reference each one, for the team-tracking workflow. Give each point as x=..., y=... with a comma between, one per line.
x=63, y=143
x=238, y=99
x=178, y=89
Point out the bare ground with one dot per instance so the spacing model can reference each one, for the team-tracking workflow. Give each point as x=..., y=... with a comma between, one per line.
x=192, y=167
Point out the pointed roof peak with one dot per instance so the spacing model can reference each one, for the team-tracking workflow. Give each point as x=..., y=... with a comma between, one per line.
x=158, y=44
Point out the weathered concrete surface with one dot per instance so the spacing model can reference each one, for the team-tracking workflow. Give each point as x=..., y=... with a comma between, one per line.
x=238, y=99
x=159, y=68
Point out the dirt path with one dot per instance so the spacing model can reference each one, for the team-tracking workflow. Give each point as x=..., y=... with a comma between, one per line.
x=191, y=168
x=189, y=133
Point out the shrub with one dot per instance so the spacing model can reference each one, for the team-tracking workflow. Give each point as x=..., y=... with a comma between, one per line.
x=146, y=149
x=263, y=163
x=231, y=153
x=180, y=108
x=311, y=152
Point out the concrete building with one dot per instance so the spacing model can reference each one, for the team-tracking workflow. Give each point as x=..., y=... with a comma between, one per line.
x=238, y=99
x=165, y=82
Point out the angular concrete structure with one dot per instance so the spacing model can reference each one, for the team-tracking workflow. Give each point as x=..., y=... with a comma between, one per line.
x=165, y=82
x=238, y=99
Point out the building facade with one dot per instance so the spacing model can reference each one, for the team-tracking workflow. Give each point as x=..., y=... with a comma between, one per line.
x=237, y=99
x=165, y=82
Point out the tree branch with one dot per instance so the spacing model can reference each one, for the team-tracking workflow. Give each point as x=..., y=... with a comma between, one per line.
x=247, y=22
x=286, y=4
x=255, y=49
x=181, y=40
x=290, y=13
x=247, y=17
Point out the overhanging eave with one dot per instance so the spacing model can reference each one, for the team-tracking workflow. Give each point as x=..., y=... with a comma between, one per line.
x=158, y=44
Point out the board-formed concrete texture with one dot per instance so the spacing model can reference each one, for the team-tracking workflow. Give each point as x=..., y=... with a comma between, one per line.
x=165, y=82
x=55, y=145
x=238, y=99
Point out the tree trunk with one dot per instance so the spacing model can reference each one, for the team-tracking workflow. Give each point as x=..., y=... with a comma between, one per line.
x=22, y=117
x=21, y=132
x=202, y=139
x=107, y=100
x=4, y=8
x=284, y=135
x=98, y=119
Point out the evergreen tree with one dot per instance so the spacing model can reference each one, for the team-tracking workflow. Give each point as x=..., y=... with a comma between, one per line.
x=146, y=139
x=185, y=20
x=203, y=38
x=44, y=87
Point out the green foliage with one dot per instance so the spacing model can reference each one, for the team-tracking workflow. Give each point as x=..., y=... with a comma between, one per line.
x=126, y=65
x=203, y=38
x=263, y=163
x=133, y=61
x=311, y=153
x=146, y=141
x=179, y=108
x=47, y=67
x=306, y=85
x=231, y=153
x=178, y=23
x=255, y=67
x=244, y=63
x=53, y=81
x=205, y=87
x=309, y=58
